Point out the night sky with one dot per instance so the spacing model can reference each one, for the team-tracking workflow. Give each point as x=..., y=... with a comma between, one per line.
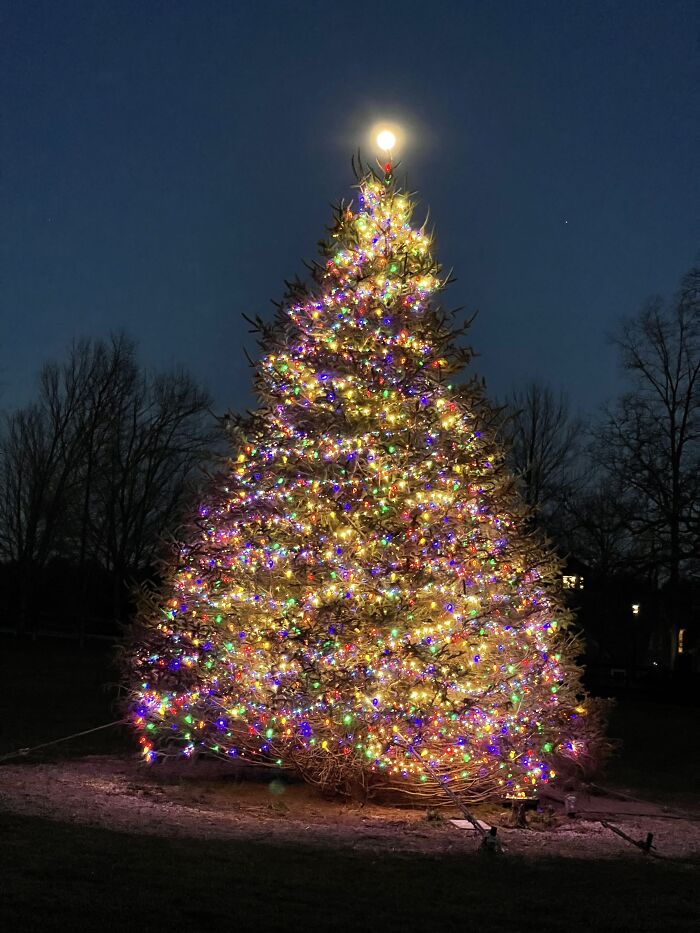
x=166, y=165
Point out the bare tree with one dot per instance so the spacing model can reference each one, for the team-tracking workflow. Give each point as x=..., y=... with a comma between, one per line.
x=160, y=434
x=652, y=437
x=650, y=440
x=595, y=527
x=40, y=455
x=542, y=444
x=95, y=471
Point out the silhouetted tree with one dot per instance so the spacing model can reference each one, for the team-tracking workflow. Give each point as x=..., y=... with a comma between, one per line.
x=650, y=440
x=594, y=526
x=542, y=440
x=96, y=469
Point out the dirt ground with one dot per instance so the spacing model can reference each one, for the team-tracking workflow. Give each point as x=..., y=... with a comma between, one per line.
x=206, y=799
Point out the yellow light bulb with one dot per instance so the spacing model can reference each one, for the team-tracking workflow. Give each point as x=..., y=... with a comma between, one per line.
x=386, y=140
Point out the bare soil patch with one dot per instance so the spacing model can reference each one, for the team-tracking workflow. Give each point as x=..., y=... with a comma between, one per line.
x=209, y=799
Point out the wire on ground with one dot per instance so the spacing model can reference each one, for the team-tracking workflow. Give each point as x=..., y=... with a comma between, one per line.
x=23, y=752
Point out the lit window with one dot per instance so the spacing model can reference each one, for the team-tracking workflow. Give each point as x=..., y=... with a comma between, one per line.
x=572, y=582
x=681, y=640
x=635, y=609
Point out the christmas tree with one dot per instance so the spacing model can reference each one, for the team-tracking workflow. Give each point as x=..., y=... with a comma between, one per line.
x=360, y=597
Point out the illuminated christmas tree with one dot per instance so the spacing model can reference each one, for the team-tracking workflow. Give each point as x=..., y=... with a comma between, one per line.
x=360, y=597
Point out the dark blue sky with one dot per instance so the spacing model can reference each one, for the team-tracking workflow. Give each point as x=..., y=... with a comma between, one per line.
x=165, y=165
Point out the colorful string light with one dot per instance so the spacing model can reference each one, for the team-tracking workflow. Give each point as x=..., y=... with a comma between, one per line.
x=360, y=597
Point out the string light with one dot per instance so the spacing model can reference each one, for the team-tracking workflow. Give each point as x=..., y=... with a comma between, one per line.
x=358, y=598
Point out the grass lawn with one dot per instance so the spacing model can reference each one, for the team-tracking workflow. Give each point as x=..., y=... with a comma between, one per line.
x=659, y=754
x=56, y=876
x=56, y=688
x=64, y=877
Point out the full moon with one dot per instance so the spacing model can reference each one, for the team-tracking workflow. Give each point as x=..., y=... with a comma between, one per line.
x=386, y=140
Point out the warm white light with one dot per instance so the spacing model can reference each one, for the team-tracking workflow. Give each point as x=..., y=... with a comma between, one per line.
x=386, y=140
